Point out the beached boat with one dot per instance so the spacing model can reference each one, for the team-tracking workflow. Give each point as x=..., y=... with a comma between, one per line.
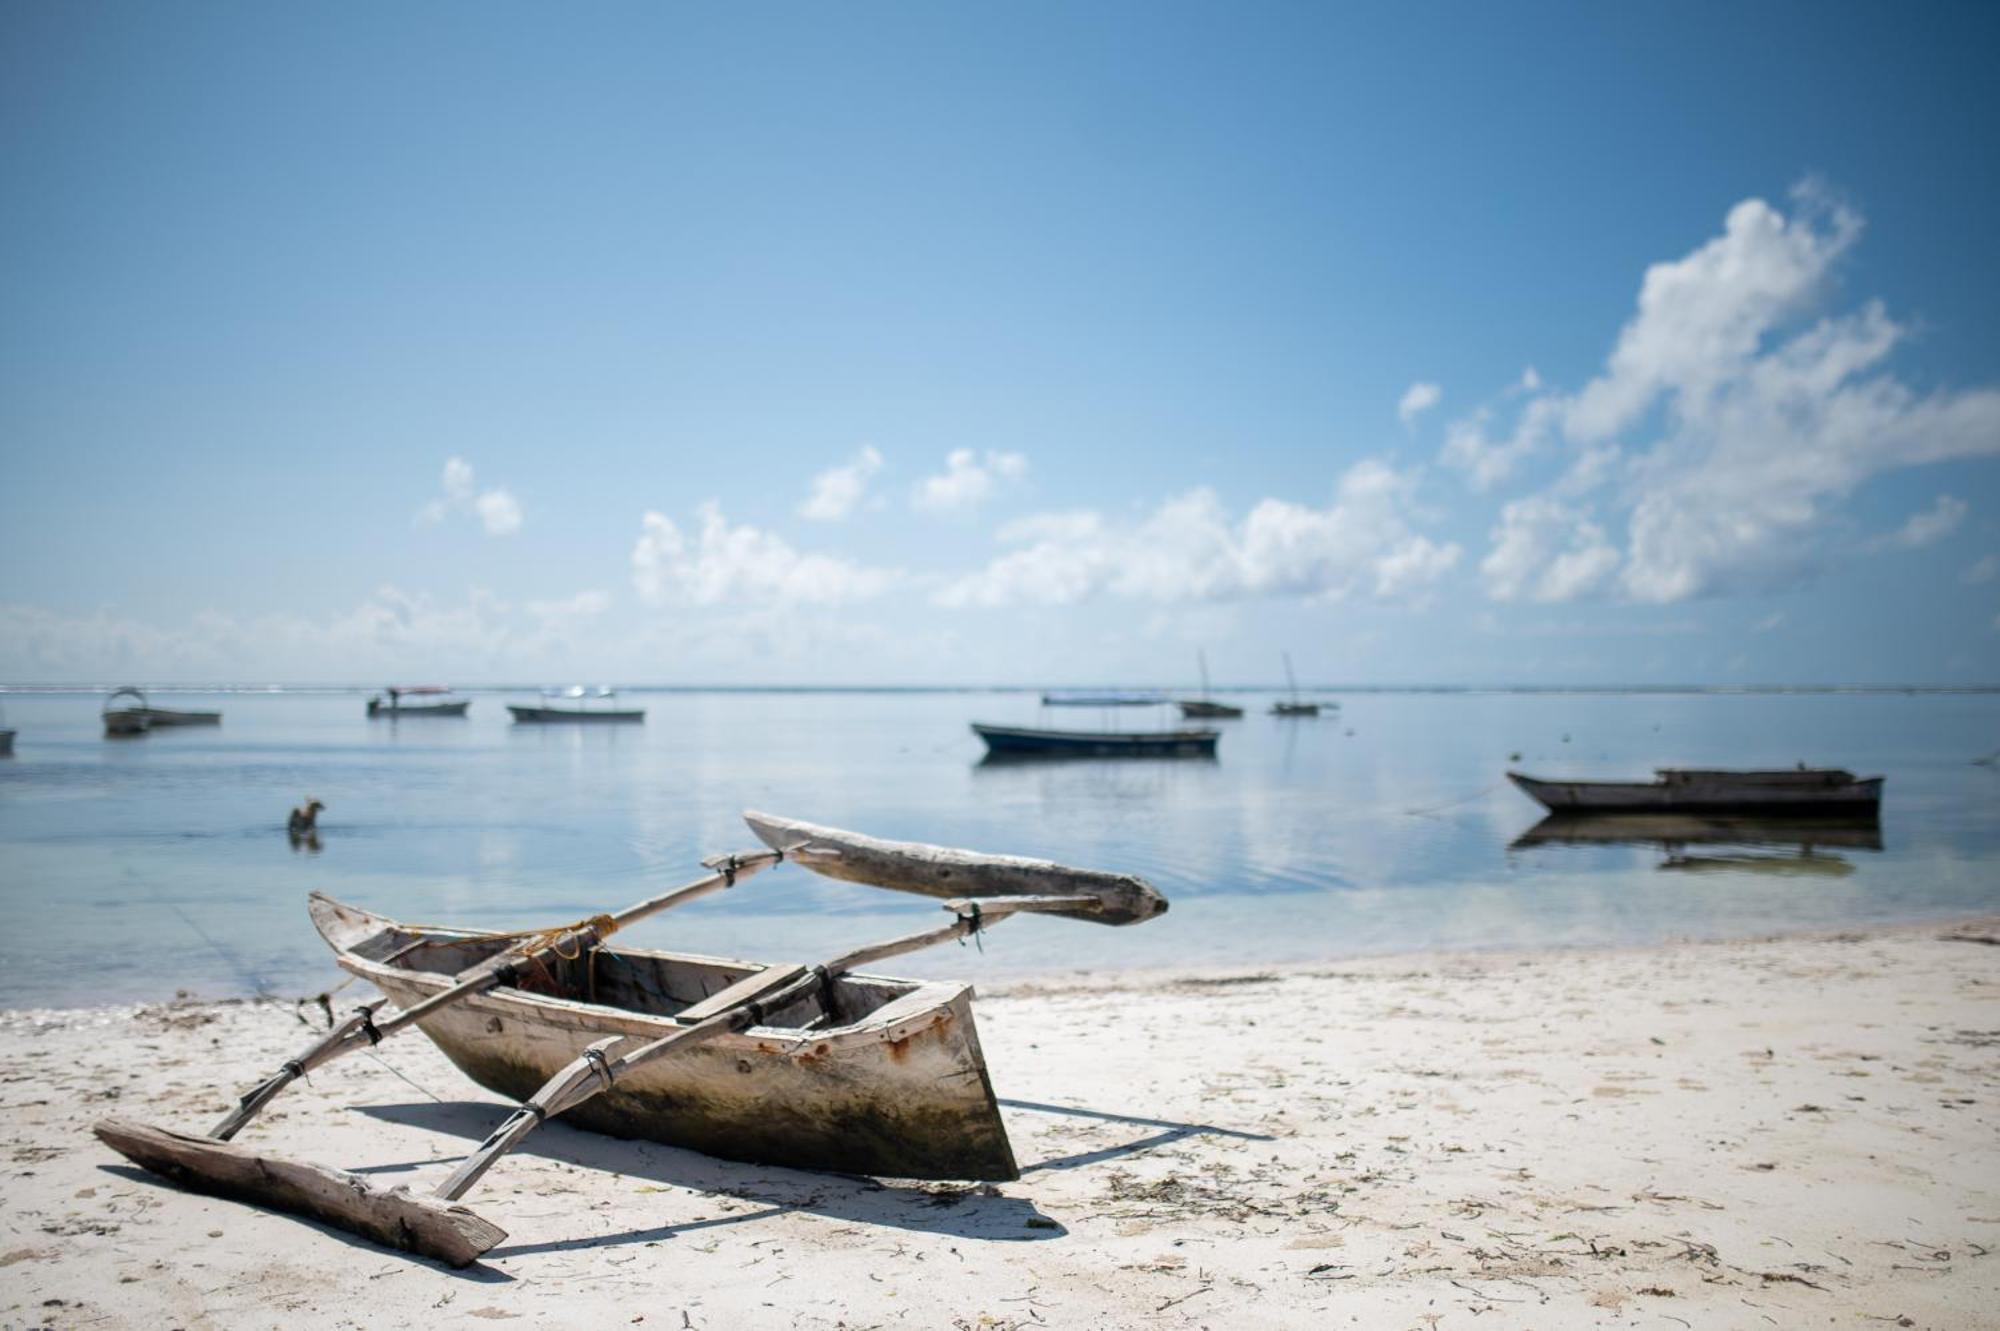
x=578, y=709
x=432, y=700
x=1799, y=792
x=819, y=1066
x=125, y=714
x=1205, y=708
x=869, y=1076
x=1023, y=741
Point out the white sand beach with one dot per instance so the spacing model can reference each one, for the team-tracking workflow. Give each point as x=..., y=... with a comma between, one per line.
x=1780, y=1132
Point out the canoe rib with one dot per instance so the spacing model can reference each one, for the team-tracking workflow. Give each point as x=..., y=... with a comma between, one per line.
x=936, y=871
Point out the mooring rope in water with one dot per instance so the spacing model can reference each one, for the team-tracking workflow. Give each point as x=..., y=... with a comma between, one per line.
x=1453, y=804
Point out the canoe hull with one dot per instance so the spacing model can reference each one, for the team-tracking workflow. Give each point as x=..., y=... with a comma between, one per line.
x=552, y=715
x=1011, y=741
x=1196, y=710
x=124, y=724
x=1746, y=793
x=901, y=1093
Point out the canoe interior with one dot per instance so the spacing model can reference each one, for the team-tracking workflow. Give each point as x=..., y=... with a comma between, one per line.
x=650, y=984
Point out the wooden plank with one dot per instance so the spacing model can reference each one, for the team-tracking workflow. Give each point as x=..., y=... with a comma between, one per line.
x=936, y=871
x=394, y=1217
x=750, y=986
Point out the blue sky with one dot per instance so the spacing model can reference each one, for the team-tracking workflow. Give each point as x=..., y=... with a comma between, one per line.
x=947, y=344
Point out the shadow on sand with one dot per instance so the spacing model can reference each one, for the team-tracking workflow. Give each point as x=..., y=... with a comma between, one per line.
x=962, y=1212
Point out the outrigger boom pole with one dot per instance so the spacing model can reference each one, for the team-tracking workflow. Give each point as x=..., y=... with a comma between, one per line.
x=360, y=1030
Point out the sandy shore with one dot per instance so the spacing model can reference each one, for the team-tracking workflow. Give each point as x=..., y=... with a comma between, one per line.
x=1780, y=1132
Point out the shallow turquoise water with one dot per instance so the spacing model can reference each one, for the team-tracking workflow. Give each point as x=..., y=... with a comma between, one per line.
x=131, y=869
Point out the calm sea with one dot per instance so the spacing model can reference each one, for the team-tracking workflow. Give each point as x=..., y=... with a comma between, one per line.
x=132, y=869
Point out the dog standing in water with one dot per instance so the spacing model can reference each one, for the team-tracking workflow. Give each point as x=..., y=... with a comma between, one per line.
x=302, y=828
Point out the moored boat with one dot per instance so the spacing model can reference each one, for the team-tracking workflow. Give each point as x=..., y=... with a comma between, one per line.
x=579, y=709
x=126, y=714
x=1103, y=698
x=430, y=700
x=6, y=741
x=1802, y=791
x=1205, y=708
x=1024, y=741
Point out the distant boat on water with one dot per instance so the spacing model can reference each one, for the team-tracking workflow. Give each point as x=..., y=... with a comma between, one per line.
x=1023, y=741
x=6, y=741
x=1104, y=698
x=579, y=708
x=1294, y=706
x=126, y=713
x=1801, y=791
x=1205, y=708
x=395, y=703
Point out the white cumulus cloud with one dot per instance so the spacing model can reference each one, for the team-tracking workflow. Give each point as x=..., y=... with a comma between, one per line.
x=1544, y=550
x=722, y=564
x=837, y=490
x=1728, y=422
x=498, y=511
x=1190, y=549
x=969, y=478
x=1418, y=398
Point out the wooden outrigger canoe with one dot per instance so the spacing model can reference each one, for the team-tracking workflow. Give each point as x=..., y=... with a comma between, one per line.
x=870, y=1076
x=817, y=1065
x=1795, y=792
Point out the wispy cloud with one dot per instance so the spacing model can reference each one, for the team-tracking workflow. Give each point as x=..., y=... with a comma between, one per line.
x=1190, y=549
x=1981, y=571
x=1417, y=399
x=498, y=511
x=721, y=564
x=968, y=479
x=837, y=490
x=1927, y=526
x=1727, y=423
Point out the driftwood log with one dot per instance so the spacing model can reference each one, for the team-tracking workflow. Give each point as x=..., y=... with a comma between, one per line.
x=394, y=1217
x=935, y=871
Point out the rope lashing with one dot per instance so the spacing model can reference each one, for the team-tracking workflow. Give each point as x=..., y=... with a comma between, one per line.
x=599, y=1065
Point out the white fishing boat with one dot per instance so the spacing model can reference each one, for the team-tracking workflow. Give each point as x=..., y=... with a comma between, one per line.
x=576, y=704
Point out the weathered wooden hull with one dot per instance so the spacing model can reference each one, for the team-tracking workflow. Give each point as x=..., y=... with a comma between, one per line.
x=874, y=1076
x=1711, y=792
x=1002, y=741
x=1201, y=710
x=542, y=715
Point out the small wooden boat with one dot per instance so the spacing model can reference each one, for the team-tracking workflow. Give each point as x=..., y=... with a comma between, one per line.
x=1022, y=741
x=1294, y=705
x=819, y=1066
x=395, y=703
x=126, y=714
x=137, y=716
x=580, y=709
x=1799, y=792
x=1205, y=708
x=871, y=1076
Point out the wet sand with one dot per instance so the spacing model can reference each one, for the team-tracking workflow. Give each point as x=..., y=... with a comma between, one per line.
x=1787, y=1132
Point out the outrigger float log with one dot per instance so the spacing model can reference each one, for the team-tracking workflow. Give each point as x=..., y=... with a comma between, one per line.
x=849, y=1068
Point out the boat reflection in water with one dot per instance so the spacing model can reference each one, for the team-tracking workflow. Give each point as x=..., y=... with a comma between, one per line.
x=1763, y=845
